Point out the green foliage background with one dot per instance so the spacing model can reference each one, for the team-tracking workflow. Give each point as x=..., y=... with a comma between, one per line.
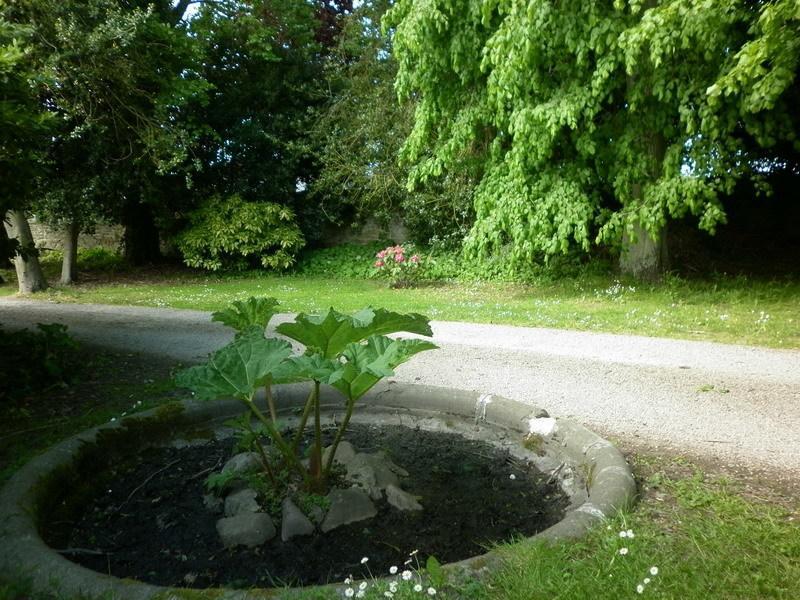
x=523, y=130
x=584, y=120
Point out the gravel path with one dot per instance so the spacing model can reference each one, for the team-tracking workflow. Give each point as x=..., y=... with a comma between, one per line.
x=650, y=390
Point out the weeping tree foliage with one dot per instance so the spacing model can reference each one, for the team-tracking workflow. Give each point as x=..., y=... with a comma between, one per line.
x=594, y=122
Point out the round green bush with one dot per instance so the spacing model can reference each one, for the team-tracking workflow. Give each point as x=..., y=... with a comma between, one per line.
x=232, y=233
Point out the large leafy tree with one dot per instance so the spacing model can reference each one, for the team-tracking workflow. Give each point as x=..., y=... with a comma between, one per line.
x=24, y=129
x=263, y=62
x=595, y=122
x=358, y=135
x=115, y=75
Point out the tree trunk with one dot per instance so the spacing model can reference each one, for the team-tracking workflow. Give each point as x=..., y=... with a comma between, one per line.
x=5, y=250
x=645, y=258
x=141, y=235
x=29, y=272
x=69, y=263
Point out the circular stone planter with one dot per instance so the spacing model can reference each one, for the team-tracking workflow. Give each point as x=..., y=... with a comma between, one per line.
x=589, y=469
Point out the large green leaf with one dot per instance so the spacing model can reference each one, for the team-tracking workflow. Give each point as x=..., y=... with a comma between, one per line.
x=330, y=334
x=242, y=315
x=238, y=369
x=308, y=367
x=368, y=363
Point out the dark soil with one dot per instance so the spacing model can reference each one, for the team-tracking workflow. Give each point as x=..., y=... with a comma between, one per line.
x=148, y=521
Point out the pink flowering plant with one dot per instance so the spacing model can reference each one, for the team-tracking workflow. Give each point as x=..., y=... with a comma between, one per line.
x=401, y=264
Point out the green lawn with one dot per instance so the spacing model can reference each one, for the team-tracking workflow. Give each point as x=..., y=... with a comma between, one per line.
x=704, y=538
x=733, y=310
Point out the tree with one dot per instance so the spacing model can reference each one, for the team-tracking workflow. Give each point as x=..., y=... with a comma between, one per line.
x=26, y=262
x=24, y=126
x=358, y=135
x=263, y=62
x=115, y=74
x=590, y=123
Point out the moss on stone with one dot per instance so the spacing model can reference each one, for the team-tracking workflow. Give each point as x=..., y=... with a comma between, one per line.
x=534, y=443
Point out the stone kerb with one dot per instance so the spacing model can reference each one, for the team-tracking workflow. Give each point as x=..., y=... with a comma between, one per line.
x=591, y=471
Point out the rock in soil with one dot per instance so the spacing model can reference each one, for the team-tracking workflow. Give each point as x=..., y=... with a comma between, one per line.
x=400, y=499
x=248, y=529
x=373, y=472
x=241, y=502
x=316, y=514
x=347, y=506
x=212, y=503
x=293, y=521
x=447, y=471
x=344, y=453
x=242, y=464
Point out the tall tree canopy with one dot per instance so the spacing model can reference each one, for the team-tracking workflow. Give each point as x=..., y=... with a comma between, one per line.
x=263, y=61
x=594, y=122
x=114, y=75
x=25, y=126
x=358, y=134
x=24, y=122
x=159, y=108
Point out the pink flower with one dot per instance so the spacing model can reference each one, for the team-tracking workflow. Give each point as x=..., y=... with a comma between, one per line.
x=378, y=264
x=381, y=254
x=399, y=258
x=415, y=259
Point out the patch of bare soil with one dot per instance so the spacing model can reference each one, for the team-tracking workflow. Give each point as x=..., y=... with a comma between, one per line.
x=148, y=521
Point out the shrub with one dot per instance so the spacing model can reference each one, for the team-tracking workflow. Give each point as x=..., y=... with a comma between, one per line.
x=100, y=259
x=400, y=263
x=231, y=233
x=96, y=260
x=347, y=261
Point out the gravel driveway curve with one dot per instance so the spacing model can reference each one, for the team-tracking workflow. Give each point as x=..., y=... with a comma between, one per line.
x=737, y=405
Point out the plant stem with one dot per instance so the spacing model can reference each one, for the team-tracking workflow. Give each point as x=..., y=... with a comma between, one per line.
x=298, y=436
x=271, y=403
x=264, y=459
x=265, y=462
x=316, y=450
x=279, y=441
x=339, y=433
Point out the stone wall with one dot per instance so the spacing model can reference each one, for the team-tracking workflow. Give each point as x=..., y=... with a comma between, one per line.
x=52, y=238
x=371, y=231
x=110, y=236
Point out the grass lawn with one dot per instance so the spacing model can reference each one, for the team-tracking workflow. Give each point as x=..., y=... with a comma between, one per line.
x=704, y=535
x=710, y=532
x=725, y=309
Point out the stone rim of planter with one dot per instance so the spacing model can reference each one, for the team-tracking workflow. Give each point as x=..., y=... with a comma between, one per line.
x=590, y=469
